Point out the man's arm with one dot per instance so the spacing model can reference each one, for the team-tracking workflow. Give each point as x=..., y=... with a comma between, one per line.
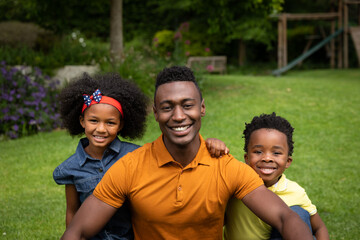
x=319, y=228
x=272, y=210
x=89, y=219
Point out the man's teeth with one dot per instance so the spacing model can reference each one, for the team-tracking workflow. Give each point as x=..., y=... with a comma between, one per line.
x=179, y=129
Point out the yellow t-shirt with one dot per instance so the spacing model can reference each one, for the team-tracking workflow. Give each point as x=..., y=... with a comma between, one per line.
x=242, y=224
x=172, y=202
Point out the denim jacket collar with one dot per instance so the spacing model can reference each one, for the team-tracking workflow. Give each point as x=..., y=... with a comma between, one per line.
x=114, y=146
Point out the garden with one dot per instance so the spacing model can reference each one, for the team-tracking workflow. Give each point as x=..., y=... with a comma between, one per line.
x=321, y=103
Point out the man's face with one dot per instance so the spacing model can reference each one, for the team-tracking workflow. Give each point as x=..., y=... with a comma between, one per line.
x=178, y=110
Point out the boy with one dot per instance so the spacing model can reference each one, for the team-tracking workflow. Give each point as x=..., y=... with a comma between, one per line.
x=268, y=149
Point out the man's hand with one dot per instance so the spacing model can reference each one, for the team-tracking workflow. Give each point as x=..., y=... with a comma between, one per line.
x=89, y=219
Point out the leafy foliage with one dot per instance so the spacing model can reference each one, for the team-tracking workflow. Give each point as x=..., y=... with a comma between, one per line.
x=27, y=102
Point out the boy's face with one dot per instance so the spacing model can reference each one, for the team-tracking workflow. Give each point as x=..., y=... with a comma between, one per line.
x=267, y=154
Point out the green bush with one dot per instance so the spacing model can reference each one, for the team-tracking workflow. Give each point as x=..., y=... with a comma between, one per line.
x=27, y=102
x=163, y=42
x=71, y=49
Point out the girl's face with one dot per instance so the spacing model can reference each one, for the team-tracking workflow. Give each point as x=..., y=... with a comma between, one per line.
x=101, y=122
x=268, y=154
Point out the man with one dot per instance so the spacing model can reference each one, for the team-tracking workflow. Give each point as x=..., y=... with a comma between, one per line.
x=175, y=188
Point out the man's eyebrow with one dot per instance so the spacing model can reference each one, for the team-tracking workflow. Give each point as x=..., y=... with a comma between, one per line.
x=183, y=100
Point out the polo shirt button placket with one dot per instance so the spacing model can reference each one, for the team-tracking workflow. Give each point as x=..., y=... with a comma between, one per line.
x=179, y=192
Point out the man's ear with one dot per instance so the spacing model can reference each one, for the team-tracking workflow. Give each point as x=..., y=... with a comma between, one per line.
x=155, y=112
x=288, y=162
x=203, y=108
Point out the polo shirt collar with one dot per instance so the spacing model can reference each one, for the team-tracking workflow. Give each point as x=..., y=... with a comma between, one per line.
x=115, y=146
x=164, y=157
x=280, y=186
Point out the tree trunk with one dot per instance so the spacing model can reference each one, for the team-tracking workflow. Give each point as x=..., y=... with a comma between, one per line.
x=116, y=30
x=242, y=52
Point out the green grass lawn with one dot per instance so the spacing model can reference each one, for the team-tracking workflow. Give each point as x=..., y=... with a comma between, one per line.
x=323, y=106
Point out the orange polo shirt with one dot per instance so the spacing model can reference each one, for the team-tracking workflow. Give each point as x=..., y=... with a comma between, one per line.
x=172, y=202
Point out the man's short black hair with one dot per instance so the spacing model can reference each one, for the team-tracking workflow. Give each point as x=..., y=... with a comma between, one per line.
x=269, y=121
x=174, y=74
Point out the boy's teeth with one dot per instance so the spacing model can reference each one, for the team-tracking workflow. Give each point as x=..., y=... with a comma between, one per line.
x=99, y=137
x=267, y=170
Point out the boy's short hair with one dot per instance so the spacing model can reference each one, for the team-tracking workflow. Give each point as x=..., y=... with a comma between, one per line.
x=269, y=121
x=174, y=74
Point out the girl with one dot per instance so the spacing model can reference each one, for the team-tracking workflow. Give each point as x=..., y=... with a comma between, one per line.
x=103, y=107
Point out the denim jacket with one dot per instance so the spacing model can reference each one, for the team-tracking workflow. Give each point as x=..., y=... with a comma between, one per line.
x=86, y=172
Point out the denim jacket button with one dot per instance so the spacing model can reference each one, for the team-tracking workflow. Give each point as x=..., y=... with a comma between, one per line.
x=100, y=170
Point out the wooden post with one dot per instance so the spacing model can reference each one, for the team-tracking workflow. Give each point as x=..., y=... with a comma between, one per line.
x=340, y=49
x=242, y=52
x=285, y=40
x=346, y=36
x=280, y=43
x=332, y=46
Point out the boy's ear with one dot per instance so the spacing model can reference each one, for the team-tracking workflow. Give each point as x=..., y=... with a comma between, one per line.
x=246, y=158
x=288, y=162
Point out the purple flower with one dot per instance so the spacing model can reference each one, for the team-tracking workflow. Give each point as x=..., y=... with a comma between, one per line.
x=12, y=135
x=177, y=35
x=16, y=128
x=14, y=118
x=210, y=68
x=5, y=110
x=32, y=122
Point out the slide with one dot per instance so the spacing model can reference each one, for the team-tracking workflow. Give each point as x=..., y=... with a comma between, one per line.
x=293, y=63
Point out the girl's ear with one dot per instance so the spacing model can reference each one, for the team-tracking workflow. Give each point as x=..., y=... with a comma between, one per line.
x=81, y=119
x=122, y=123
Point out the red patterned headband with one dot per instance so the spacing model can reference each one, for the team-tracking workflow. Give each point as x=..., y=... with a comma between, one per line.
x=96, y=98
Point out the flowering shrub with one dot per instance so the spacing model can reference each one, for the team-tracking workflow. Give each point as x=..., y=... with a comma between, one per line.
x=27, y=102
x=163, y=42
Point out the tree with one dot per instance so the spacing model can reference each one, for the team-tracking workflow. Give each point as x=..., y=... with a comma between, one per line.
x=116, y=30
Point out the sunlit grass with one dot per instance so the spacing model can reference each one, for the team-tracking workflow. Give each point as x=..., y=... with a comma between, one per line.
x=323, y=106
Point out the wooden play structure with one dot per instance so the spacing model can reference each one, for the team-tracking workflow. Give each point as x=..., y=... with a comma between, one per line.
x=339, y=32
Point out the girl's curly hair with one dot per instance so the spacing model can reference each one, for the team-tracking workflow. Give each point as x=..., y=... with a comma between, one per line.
x=133, y=101
x=269, y=121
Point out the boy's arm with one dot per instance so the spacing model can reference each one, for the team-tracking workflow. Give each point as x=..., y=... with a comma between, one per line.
x=319, y=229
x=272, y=210
x=72, y=202
x=216, y=147
x=89, y=219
